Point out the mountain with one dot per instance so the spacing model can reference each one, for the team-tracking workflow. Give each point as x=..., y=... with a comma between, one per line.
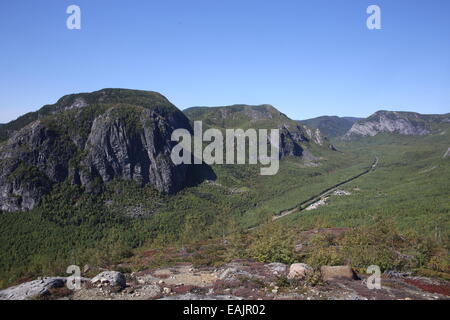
x=295, y=139
x=403, y=123
x=89, y=139
x=331, y=126
x=80, y=100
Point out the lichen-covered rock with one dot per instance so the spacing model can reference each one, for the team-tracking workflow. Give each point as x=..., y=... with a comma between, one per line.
x=32, y=289
x=110, y=278
x=277, y=268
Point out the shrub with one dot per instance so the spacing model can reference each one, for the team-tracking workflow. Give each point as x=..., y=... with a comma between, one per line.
x=272, y=243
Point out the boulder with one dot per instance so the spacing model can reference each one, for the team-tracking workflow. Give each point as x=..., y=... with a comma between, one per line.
x=110, y=278
x=330, y=273
x=32, y=289
x=299, y=271
x=149, y=291
x=233, y=273
x=277, y=268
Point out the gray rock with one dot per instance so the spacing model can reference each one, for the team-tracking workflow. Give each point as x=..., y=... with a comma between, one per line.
x=29, y=164
x=234, y=273
x=276, y=267
x=191, y=296
x=142, y=155
x=404, y=123
x=32, y=289
x=110, y=278
x=149, y=291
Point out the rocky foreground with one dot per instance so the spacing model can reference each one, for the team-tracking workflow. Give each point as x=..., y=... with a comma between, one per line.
x=238, y=280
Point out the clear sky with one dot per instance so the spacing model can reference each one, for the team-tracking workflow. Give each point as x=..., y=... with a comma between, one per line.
x=306, y=57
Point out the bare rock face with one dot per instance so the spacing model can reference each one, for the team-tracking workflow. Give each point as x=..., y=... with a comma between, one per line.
x=315, y=135
x=89, y=140
x=32, y=289
x=404, y=123
x=30, y=162
x=141, y=154
x=290, y=142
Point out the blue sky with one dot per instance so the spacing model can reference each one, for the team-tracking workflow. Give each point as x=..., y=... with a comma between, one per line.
x=306, y=57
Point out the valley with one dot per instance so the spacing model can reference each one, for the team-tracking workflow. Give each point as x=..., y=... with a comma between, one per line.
x=78, y=189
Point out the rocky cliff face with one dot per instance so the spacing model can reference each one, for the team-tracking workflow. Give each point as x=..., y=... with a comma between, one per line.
x=404, y=123
x=90, y=139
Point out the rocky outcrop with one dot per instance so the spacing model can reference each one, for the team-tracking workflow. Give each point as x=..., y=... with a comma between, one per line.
x=31, y=162
x=315, y=135
x=299, y=271
x=277, y=268
x=91, y=139
x=110, y=278
x=404, y=123
x=141, y=154
x=32, y=289
x=247, y=279
x=290, y=142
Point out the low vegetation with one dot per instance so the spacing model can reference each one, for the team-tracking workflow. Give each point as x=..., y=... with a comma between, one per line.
x=396, y=217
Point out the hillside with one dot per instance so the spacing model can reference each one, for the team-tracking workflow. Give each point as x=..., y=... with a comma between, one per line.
x=331, y=126
x=123, y=223
x=78, y=179
x=403, y=123
x=295, y=139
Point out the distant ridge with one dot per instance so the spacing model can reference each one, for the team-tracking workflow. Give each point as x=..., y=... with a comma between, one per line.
x=331, y=126
x=403, y=123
